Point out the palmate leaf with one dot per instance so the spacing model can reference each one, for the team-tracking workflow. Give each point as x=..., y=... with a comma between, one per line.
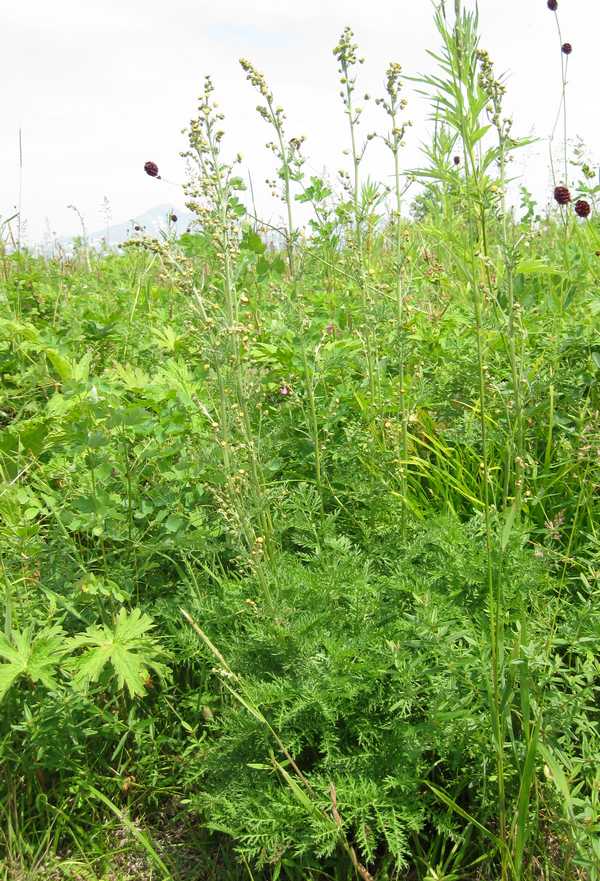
x=126, y=647
x=34, y=656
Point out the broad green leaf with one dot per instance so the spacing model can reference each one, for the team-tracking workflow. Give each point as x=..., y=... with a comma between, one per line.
x=536, y=266
x=252, y=242
x=62, y=365
x=81, y=370
x=126, y=647
x=8, y=674
x=32, y=656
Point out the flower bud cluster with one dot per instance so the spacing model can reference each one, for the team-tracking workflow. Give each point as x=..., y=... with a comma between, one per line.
x=287, y=152
x=346, y=50
x=393, y=104
x=495, y=90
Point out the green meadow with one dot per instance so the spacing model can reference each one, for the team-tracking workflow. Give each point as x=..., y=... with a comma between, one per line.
x=299, y=520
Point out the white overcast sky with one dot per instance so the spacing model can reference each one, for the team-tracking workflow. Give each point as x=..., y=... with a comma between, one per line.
x=100, y=86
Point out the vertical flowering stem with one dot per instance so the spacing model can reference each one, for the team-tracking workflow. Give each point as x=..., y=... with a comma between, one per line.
x=287, y=152
x=461, y=100
x=346, y=54
x=495, y=91
x=462, y=44
x=393, y=105
x=212, y=196
x=565, y=50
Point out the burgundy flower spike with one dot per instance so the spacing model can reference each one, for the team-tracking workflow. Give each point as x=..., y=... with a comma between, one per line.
x=583, y=208
x=566, y=48
x=562, y=195
x=553, y=5
x=151, y=168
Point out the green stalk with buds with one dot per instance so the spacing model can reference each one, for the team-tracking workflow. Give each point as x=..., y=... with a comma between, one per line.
x=347, y=57
x=495, y=90
x=346, y=53
x=393, y=105
x=287, y=152
x=212, y=195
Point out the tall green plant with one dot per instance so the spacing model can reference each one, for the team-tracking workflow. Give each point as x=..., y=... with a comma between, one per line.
x=461, y=94
x=287, y=152
x=212, y=194
x=393, y=105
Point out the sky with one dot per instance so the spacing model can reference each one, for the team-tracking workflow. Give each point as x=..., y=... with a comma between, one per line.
x=98, y=87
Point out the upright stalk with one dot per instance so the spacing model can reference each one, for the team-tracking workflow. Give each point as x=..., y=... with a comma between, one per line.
x=287, y=152
x=393, y=105
x=212, y=197
x=313, y=424
x=346, y=54
x=460, y=101
x=495, y=91
x=562, y=107
x=20, y=206
x=464, y=44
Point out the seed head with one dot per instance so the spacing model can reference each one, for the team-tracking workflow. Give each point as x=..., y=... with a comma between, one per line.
x=173, y=218
x=582, y=208
x=562, y=195
x=553, y=5
x=566, y=48
x=151, y=168
x=137, y=227
x=456, y=160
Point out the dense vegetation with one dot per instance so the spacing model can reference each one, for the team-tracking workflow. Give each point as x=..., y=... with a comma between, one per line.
x=299, y=528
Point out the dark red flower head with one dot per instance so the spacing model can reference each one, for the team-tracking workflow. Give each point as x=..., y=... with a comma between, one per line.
x=566, y=48
x=553, y=5
x=582, y=208
x=137, y=228
x=562, y=195
x=173, y=218
x=151, y=168
x=456, y=160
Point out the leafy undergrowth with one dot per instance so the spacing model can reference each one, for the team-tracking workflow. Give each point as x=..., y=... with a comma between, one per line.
x=298, y=540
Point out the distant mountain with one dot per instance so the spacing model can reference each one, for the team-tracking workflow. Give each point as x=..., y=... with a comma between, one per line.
x=152, y=223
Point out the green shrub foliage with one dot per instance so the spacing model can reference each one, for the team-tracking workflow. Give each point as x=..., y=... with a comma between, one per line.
x=299, y=553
